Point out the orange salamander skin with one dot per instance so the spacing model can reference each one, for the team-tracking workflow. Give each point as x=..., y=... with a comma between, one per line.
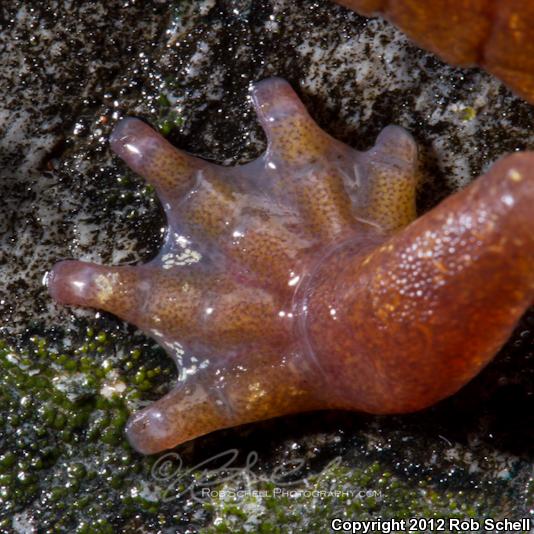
x=497, y=36
x=303, y=280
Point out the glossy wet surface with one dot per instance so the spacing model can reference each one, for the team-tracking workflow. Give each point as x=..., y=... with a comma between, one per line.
x=74, y=73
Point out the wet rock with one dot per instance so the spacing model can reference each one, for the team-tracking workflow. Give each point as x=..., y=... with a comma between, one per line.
x=69, y=377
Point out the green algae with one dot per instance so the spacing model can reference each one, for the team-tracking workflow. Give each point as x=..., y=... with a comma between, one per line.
x=168, y=116
x=65, y=463
x=343, y=490
x=62, y=416
x=468, y=113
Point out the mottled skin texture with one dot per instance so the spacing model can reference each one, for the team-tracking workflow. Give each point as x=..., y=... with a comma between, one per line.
x=315, y=289
x=496, y=35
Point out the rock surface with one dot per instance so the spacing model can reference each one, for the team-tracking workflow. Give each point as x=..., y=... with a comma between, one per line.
x=69, y=377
